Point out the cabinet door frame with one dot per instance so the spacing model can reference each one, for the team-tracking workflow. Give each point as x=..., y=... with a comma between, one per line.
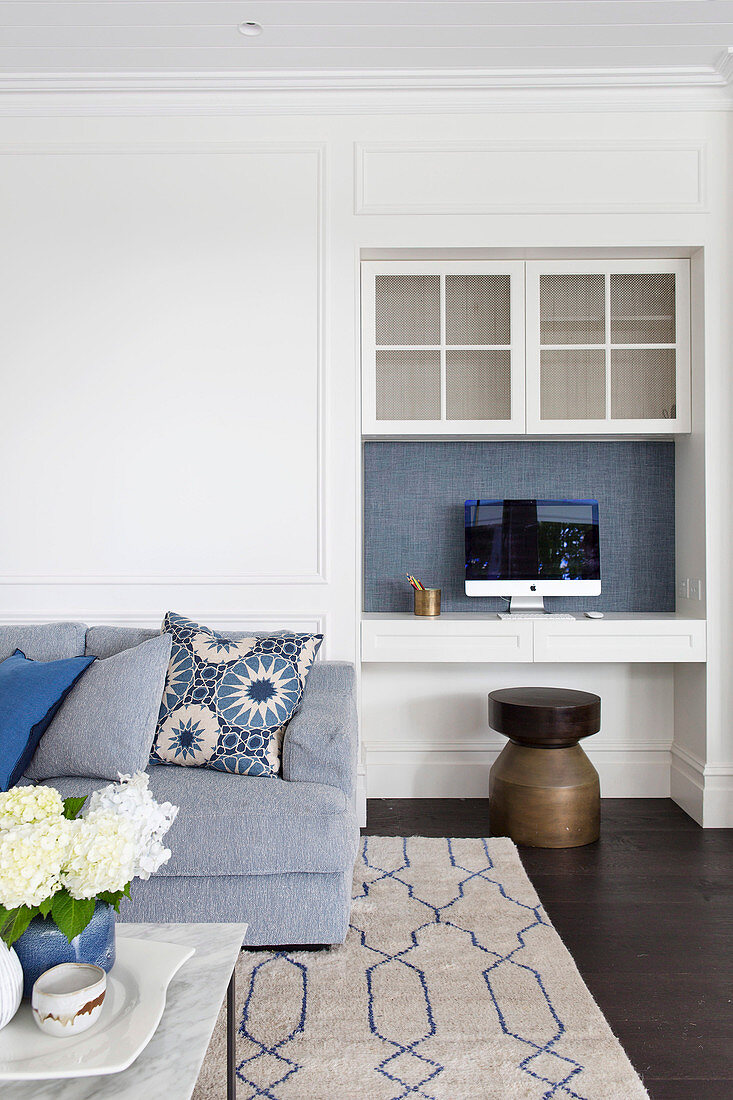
x=515, y=425
x=681, y=422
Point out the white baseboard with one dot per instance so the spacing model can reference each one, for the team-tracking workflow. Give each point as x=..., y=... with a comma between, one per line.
x=704, y=791
x=687, y=782
x=433, y=770
x=718, y=796
x=428, y=774
x=633, y=771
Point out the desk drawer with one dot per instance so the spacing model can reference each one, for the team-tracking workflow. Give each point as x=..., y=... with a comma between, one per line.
x=439, y=640
x=641, y=640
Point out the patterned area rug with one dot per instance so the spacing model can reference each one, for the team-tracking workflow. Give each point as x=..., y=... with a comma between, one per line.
x=452, y=985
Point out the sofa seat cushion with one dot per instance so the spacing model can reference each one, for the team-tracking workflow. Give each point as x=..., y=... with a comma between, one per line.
x=244, y=825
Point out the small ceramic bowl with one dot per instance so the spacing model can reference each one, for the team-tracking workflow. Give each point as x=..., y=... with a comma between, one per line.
x=67, y=999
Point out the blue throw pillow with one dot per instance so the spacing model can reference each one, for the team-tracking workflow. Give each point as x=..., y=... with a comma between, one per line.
x=30, y=694
x=227, y=701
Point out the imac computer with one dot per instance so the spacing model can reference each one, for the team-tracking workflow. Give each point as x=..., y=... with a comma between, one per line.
x=527, y=549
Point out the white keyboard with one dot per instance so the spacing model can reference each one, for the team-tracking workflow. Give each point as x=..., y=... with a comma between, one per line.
x=554, y=615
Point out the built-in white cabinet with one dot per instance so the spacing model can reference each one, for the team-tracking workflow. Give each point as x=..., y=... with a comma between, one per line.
x=466, y=637
x=608, y=347
x=443, y=348
x=538, y=348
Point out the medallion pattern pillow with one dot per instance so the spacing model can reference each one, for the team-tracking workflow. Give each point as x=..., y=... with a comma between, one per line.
x=227, y=701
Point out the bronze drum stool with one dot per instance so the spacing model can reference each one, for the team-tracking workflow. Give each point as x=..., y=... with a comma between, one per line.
x=543, y=790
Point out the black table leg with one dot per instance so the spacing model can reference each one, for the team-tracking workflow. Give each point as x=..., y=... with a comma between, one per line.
x=231, y=1040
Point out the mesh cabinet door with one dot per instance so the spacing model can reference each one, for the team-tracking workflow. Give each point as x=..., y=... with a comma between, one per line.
x=442, y=347
x=608, y=346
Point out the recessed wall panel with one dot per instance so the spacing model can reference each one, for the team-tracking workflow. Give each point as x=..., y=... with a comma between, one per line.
x=481, y=177
x=161, y=374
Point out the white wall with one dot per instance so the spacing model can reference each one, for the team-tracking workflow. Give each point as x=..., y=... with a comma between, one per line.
x=426, y=726
x=179, y=322
x=169, y=425
x=716, y=775
x=154, y=313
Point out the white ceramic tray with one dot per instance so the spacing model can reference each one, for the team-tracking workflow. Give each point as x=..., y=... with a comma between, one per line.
x=133, y=1006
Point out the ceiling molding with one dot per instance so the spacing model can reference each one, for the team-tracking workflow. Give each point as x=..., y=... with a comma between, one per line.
x=409, y=91
x=724, y=66
x=378, y=79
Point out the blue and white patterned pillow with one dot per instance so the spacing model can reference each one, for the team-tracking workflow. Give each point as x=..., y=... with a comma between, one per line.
x=226, y=702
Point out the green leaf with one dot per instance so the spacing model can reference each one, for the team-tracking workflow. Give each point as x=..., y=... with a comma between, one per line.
x=114, y=898
x=72, y=806
x=45, y=907
x=16, y=921
x=71, y=916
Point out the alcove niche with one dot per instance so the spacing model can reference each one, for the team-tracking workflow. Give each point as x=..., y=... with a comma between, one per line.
x=622, y=331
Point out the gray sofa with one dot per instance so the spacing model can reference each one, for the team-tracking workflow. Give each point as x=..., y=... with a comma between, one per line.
x=276, y=853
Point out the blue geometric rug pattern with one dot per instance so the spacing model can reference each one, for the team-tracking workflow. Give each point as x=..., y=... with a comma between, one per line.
x=530, y=916
x=452, y=985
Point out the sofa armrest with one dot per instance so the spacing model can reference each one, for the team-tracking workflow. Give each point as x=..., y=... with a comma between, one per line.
x=321, y=739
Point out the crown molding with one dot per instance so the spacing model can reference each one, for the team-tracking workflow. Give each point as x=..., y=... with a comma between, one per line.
x=425, y=91
x=724, y=66
x=370, y=80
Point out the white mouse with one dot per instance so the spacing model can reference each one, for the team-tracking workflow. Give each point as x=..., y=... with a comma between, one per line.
x=594, y=614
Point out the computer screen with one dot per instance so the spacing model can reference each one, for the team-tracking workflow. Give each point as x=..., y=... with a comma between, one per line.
x=532, y=540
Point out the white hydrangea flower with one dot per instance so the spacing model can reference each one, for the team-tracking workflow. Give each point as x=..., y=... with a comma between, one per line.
x=117, y=838
x=31, y=861
x=101, y=855
x=26, y=805
x=150, y=820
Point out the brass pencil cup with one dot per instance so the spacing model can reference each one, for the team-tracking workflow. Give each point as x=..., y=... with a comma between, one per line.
x=427, y=601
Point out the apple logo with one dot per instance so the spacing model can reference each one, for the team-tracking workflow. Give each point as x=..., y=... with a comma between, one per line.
x=533, y=588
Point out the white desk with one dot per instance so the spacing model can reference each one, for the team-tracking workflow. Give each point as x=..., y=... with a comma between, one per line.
x=467, y=637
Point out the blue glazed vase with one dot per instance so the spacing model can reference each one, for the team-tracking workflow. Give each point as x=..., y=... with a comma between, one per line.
x=43, y=945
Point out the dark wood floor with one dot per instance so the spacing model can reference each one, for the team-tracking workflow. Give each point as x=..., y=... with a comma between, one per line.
x=646, y=913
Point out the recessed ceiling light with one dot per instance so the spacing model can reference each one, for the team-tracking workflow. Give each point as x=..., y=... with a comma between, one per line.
x=251, y=30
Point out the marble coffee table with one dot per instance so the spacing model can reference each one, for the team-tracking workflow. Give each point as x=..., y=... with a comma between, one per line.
x=170, y=1064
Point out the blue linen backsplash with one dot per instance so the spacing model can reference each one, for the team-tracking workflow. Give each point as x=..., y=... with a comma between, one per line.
x=413, y=515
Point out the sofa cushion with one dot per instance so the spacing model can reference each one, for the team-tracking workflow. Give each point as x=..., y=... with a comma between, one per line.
x=30, y=694
x=43, y=641
x=321, y=741
x=239, y=825
x=105, y=641
x=227, y=702
x=106, y=724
